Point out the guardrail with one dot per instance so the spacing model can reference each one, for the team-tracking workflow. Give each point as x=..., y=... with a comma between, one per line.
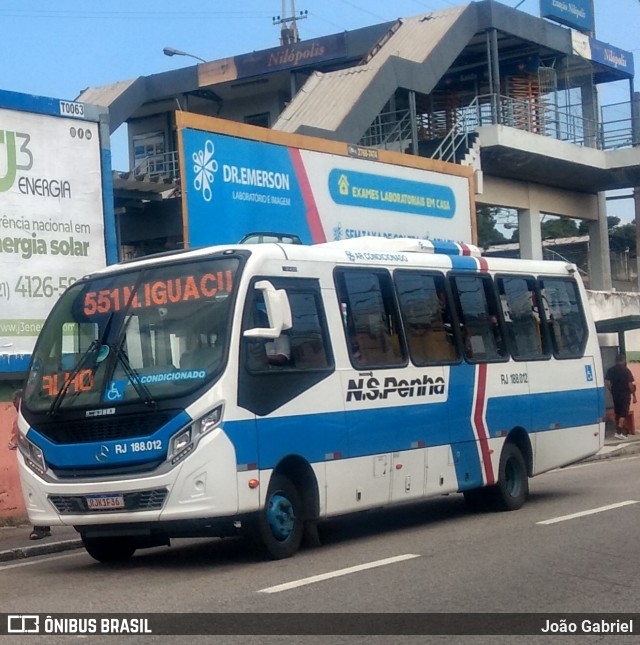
x=537, y=115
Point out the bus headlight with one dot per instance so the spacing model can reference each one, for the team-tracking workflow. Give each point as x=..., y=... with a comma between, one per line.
x=208, y=422
x=32, y=454
x=183, y=442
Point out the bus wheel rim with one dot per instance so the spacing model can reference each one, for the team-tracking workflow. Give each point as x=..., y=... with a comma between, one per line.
x=281, y=517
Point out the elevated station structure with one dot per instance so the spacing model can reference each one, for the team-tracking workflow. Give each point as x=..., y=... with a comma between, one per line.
x=510, y=94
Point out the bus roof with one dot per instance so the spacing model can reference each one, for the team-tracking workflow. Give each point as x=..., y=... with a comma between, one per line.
x=405, y=245
x=358, y=249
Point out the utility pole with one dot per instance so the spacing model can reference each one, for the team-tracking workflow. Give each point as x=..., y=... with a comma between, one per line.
x=289, y=34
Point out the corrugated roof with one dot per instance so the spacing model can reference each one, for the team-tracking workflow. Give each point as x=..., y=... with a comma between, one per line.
x=326, y=99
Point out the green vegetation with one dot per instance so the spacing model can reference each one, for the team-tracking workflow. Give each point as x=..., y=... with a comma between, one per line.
x=621, y=236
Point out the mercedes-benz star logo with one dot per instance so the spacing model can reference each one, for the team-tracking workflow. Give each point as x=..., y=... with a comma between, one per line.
x=103, y=453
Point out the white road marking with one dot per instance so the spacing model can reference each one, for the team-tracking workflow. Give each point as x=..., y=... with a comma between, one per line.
x=601, y=509
x=338, y=573
x=35, y=560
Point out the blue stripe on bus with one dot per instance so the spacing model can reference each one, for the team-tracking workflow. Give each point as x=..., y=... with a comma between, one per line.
x=356, y=433
x=317, y=437
x=466, y=457
x=552, y=410
x=447, y=247
x=85, y=455
x=465, y=263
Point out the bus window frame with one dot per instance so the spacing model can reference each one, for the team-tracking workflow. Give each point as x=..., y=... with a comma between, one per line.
x=284, y=283
x=455, y=323
x=544, y=328
x=483, y=275
x=338, y=272
x=581, y=313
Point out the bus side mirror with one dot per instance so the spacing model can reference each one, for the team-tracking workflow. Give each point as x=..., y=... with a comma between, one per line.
x=278, y=312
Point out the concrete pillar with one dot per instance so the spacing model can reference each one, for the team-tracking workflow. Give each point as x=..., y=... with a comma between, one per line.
x=599, y=261
x=590, y=113
x=530, y=234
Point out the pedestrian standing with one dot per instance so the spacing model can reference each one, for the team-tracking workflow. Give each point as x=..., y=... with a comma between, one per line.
x=619, y=380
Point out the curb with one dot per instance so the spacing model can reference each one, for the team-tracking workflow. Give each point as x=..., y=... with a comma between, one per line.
x=622, y=450
x=22, y=552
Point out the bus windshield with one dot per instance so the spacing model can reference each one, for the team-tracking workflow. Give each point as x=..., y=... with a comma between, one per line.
x=136, y=336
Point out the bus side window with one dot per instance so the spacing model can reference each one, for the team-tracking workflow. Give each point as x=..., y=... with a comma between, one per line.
x=426, y=315
x=302, y=347
x=370, y=317
x=308, y=344
x=520, y=302
x=564, y=317
x=479, y=317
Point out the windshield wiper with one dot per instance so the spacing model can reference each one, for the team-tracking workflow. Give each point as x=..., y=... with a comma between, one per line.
x=62, y=392
x=94, y=346
x=134, y=378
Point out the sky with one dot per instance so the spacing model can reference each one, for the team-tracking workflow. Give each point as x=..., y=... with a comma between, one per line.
x=58, y=48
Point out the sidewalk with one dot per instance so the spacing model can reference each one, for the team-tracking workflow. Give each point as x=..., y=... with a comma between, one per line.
x=15, y=543
x=617, y=447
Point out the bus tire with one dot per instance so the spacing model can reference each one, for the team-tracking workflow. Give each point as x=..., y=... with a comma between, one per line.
x=109, y=549
x=280, y=524
x=512, y=488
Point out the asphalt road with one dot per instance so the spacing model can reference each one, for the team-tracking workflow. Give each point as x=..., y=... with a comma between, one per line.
x=572, y=548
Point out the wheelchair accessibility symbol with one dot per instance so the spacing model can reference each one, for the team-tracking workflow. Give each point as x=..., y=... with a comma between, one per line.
x=588, y=372
x=115, y=391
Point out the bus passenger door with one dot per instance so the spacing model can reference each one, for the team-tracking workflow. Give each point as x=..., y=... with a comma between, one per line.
x=374, y=382
x=290, y=384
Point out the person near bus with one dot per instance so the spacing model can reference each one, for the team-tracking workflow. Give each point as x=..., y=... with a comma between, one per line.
x=38, y=532
x=619, y=381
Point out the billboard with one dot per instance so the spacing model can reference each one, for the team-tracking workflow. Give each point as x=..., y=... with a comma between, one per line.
x=240, y=179
x=52, y=215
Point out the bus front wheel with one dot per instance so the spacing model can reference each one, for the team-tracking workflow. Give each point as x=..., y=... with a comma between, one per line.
x=109, y=549
x=280, y=524
x=512, y=489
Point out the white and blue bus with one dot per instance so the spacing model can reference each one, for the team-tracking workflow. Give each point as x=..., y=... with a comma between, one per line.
x=264, y=388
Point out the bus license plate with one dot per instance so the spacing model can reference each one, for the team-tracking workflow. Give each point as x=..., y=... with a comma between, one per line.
x=105, y=502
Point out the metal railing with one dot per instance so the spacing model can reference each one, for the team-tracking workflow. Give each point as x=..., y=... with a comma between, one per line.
x=616, y=129
x=537, y=115
x=389, y=130
x=156, y=166
x=530, y=115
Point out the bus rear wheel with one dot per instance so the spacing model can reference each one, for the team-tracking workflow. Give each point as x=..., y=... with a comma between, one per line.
x=280, y=524
x=109, y=549
x=512, y=489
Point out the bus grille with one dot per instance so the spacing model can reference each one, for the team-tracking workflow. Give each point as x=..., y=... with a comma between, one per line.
x=109, y=471
x=104, y=429
x=148, y=500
